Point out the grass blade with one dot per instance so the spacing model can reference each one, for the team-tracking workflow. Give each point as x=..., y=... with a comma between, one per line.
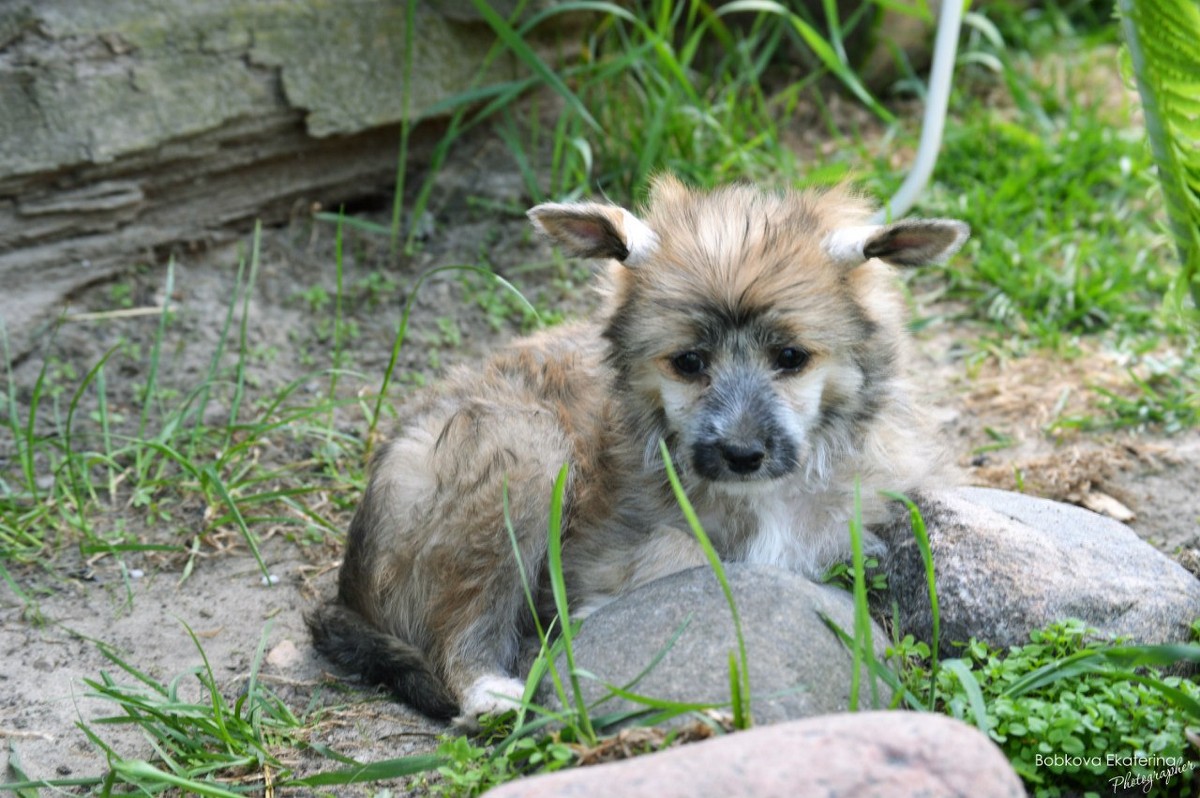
x=922, y=537
x=527, y=56
x=373, y=771
x=406, y=122
x=402, y=330
x=139, y=772
x=742, y=717
x=822, y=49
x=1096, y=660
x=879, y=670
x=27, y=788
x=971, y=687
x=864, y=647
x=151, y=389
x=559, y=589
x=210, y=478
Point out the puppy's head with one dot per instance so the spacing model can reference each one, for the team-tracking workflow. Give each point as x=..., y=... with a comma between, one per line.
x=755, y=331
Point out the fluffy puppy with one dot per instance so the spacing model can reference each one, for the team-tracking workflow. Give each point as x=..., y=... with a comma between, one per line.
x=759, y=334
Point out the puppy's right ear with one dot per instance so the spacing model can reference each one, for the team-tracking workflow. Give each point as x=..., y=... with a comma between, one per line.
x=593, y=230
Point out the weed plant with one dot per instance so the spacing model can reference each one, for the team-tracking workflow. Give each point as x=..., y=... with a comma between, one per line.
x=1073, y=712
x=205, y=745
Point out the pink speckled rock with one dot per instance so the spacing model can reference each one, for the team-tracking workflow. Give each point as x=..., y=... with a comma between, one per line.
x=885, y=754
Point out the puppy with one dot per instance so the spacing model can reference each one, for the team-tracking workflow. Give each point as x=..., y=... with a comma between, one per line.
x=759, y=334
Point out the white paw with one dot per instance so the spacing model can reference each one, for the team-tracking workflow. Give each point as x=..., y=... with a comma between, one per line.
x=489, y=695
x=588, y=607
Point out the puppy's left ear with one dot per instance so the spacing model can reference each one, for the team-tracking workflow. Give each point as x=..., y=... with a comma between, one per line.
x=910, y=242
x=593, y=230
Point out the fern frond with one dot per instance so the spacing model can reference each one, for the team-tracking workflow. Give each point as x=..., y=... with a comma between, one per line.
x=1163, y=38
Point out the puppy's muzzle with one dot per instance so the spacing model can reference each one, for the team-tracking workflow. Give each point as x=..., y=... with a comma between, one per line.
x=740, y=435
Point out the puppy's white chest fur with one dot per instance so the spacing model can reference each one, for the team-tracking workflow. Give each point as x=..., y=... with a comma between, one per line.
x=780, y=526
x=779, y=537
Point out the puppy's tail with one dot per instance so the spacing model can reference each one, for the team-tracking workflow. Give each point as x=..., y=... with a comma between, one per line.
x=349, y=640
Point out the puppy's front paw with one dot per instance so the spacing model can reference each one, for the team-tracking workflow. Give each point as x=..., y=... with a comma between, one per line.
x=489, y=695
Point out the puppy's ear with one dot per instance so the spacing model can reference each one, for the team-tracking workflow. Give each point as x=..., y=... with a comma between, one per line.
x=910, y=242
x=592, y=230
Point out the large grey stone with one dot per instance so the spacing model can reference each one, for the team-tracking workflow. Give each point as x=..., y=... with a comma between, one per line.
x=798, y=666
x=128, y=127
x=1007, y=564
x=857, y=755
x=189, y=66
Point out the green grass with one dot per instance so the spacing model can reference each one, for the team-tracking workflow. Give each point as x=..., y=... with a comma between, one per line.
x=199, y=736
x=79, y=460
x=739, y=661
x=1068, y=251
x=1060, y=707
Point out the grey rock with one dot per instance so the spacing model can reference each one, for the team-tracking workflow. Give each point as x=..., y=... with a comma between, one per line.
x=129, y=127
x=1007, y=564
x=856, y=755
x=798, y=666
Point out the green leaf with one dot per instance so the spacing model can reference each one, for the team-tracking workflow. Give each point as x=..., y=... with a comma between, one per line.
x=374, y=771
x=1163, y=37
x=139, y=772
x=971, y=687
x=559, y=589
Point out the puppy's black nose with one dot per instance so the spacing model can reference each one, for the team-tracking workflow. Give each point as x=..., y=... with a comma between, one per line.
x=742, y=459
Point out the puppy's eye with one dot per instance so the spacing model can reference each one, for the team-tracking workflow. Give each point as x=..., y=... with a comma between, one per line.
x=689, y=364
x=791, y=358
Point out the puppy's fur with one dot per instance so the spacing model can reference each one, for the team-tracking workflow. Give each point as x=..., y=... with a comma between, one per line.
x=760, y=335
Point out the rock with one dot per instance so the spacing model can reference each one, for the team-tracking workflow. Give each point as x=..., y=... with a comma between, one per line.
x=130, y=129
x=1007, y=564
x=834, y=756
x=798, y=667
x=285, y=655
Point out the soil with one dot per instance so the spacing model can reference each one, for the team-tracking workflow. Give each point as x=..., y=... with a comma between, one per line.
x=142, y=604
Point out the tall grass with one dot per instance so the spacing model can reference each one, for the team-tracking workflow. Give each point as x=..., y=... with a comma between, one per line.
x=87, y=462
x=655, y=86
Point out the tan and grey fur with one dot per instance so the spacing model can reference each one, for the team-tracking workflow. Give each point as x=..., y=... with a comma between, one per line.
x=760, y=334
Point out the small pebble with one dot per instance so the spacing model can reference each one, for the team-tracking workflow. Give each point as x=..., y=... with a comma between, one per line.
x=284, y=655
x=136, y=573
x=271, y=579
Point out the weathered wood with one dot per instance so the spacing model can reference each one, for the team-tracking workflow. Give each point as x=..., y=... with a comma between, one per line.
x=130, y=125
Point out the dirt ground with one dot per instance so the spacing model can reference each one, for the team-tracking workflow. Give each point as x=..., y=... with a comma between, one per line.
x=1143, y=477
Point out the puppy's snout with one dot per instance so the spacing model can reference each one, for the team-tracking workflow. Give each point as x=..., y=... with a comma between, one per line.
x=740, y=436
x=742, y=459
